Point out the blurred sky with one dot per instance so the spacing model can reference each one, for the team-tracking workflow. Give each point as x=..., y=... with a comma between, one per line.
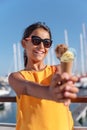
x=16, y=15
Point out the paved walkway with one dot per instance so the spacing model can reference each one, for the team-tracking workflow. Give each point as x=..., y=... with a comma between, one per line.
x=11, y=128
x=6, y=128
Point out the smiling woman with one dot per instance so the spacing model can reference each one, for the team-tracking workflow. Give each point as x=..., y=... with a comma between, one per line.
x=40, y=99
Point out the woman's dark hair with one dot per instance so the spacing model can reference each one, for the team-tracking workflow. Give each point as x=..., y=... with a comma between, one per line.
x=35, y=26
x=28, y=32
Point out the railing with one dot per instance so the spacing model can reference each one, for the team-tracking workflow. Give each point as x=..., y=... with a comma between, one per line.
x=80, y=99
x=8, y=99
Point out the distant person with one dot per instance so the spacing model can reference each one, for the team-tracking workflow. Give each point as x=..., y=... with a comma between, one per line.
x=43, y=93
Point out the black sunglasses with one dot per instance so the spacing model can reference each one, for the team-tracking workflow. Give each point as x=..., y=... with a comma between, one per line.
x=37, y=40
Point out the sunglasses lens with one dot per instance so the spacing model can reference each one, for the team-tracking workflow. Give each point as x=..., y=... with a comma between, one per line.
x=36, y=40
x=47, y=43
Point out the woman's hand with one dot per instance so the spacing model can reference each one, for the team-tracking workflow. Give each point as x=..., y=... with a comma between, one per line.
x=62, y=88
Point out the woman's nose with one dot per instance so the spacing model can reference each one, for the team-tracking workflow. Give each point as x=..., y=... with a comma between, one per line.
x=41, y=45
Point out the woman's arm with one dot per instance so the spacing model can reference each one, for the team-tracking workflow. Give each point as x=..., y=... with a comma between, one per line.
x=24, y=87
x=57, y=91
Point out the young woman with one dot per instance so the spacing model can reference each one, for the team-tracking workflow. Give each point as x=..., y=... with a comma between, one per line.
x=43, y=95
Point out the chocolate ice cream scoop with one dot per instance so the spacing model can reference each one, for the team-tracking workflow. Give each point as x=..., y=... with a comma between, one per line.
x=60, y=50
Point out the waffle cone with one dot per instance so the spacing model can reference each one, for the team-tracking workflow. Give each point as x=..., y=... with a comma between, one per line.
x=67, y=67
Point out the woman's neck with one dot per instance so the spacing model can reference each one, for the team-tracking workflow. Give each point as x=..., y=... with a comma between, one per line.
x=35, y=66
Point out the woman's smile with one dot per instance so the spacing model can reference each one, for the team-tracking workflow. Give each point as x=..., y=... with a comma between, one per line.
x=38, y=53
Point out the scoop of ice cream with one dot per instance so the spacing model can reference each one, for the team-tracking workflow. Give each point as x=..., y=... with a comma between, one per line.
x=60, y=50
x=68, y=56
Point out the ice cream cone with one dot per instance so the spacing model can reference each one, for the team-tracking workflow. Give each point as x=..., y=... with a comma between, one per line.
x=66, y=57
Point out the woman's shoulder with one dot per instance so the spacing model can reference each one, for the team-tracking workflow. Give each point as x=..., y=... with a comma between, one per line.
x=18, y=73
x=54, y=67
x=15, y=75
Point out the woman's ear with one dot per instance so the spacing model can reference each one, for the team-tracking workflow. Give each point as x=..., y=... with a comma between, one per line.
x=23, y=42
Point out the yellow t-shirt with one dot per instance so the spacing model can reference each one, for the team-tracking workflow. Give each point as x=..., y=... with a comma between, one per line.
x=40, y=114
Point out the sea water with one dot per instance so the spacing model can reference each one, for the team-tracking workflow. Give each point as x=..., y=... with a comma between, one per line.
x=8, y=114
